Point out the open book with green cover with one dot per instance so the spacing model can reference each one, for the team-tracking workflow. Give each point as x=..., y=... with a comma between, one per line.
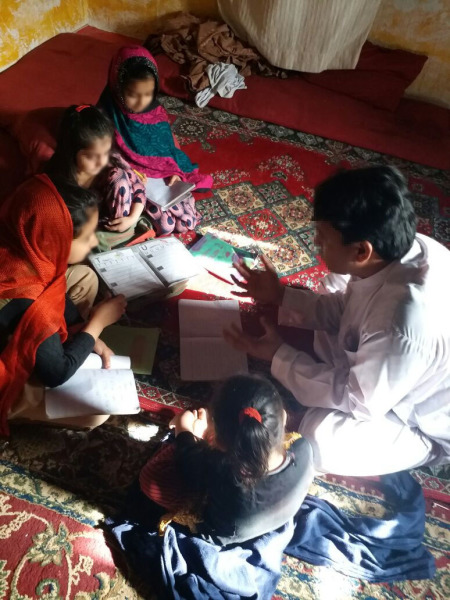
x=219, y=258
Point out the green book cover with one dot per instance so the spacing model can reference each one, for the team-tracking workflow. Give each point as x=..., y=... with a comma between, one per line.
x=139, y=343
x=219, y=257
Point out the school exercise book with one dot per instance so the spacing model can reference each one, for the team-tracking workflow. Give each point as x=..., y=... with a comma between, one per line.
x=165, y=195
x=154, y=267
x=204, y=354
x=95, y=391
x=139, y=343
x=220, y=258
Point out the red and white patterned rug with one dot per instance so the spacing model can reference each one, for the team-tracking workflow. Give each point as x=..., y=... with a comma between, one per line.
x=56, y=484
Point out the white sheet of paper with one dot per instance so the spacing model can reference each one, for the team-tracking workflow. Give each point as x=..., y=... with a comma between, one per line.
x=202, y=318
x=94, y=361
x=93, y=392
x=164, y=195
x=204, y=354
x=210, y=359
x=126, y=273
x=171, y=259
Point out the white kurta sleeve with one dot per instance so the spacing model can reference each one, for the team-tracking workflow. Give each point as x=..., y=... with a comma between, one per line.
x=321, y=312
x=383, y=371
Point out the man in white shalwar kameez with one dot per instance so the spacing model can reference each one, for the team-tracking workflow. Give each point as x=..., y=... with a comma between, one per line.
x=378, y=387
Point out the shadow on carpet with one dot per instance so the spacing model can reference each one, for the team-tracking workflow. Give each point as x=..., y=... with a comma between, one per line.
x=56, y=485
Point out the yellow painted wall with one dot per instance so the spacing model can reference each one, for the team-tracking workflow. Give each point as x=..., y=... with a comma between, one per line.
x=421, y=26
x=24, y=24
x=138, y=17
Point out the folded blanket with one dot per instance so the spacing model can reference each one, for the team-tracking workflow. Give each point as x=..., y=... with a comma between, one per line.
x=182, y=565
x=377, y=550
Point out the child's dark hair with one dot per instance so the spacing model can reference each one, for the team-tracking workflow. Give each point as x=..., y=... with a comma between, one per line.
x=80, y=202
x=246, y=441
x=80, y=127
x=371, y=204
x=137, y=68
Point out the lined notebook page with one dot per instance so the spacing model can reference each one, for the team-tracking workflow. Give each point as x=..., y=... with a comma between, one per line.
x=124, y=272
x=93, y=392
x=210, y=359
x=204, y=354
x=200, y=318
x=171, y=259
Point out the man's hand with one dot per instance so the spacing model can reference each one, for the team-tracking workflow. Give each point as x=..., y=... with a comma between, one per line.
x=263, y=347
x=194, y=421
x=261, y=284
x=104, y=352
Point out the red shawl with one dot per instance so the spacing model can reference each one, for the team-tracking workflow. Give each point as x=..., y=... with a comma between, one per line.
x=35, y=238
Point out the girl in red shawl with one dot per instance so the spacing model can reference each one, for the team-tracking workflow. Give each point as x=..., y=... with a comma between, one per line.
x=46, y=227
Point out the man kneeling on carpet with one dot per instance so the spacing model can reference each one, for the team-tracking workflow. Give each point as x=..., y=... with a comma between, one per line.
x=377, y=385
x=47, y=225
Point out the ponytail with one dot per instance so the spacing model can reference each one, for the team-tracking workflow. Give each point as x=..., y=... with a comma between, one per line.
x=249, y=424
x=251, y=451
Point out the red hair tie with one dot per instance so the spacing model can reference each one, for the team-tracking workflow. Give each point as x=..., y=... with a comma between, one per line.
x=82, y=107
x=250, y=412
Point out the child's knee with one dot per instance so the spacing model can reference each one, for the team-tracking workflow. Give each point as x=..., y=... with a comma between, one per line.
x=82, y=287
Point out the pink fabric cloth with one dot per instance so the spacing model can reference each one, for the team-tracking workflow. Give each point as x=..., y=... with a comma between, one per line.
x=121, y=187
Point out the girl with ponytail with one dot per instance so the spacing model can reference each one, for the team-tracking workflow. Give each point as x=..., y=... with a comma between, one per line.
x=249, y=421
x=234, y=467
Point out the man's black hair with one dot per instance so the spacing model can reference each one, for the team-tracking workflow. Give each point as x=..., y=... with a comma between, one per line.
x=371, y=204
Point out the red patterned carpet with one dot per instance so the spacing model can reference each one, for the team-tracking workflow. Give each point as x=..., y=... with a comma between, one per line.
x=264, y=179
x=56, y=485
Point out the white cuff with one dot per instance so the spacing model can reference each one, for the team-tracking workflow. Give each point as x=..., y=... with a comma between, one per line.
x=282, y=362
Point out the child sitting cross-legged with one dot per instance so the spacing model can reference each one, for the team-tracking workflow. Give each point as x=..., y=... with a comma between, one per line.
x=144, y=139
x=248, y=479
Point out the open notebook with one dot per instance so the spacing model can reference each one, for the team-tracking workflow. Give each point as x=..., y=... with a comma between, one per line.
x=204, y=354
x=165, y=195
x=220, y=258
x=150, y=268
x=95, y=391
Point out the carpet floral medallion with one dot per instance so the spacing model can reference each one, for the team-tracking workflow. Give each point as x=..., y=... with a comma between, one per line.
x=57, y=485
